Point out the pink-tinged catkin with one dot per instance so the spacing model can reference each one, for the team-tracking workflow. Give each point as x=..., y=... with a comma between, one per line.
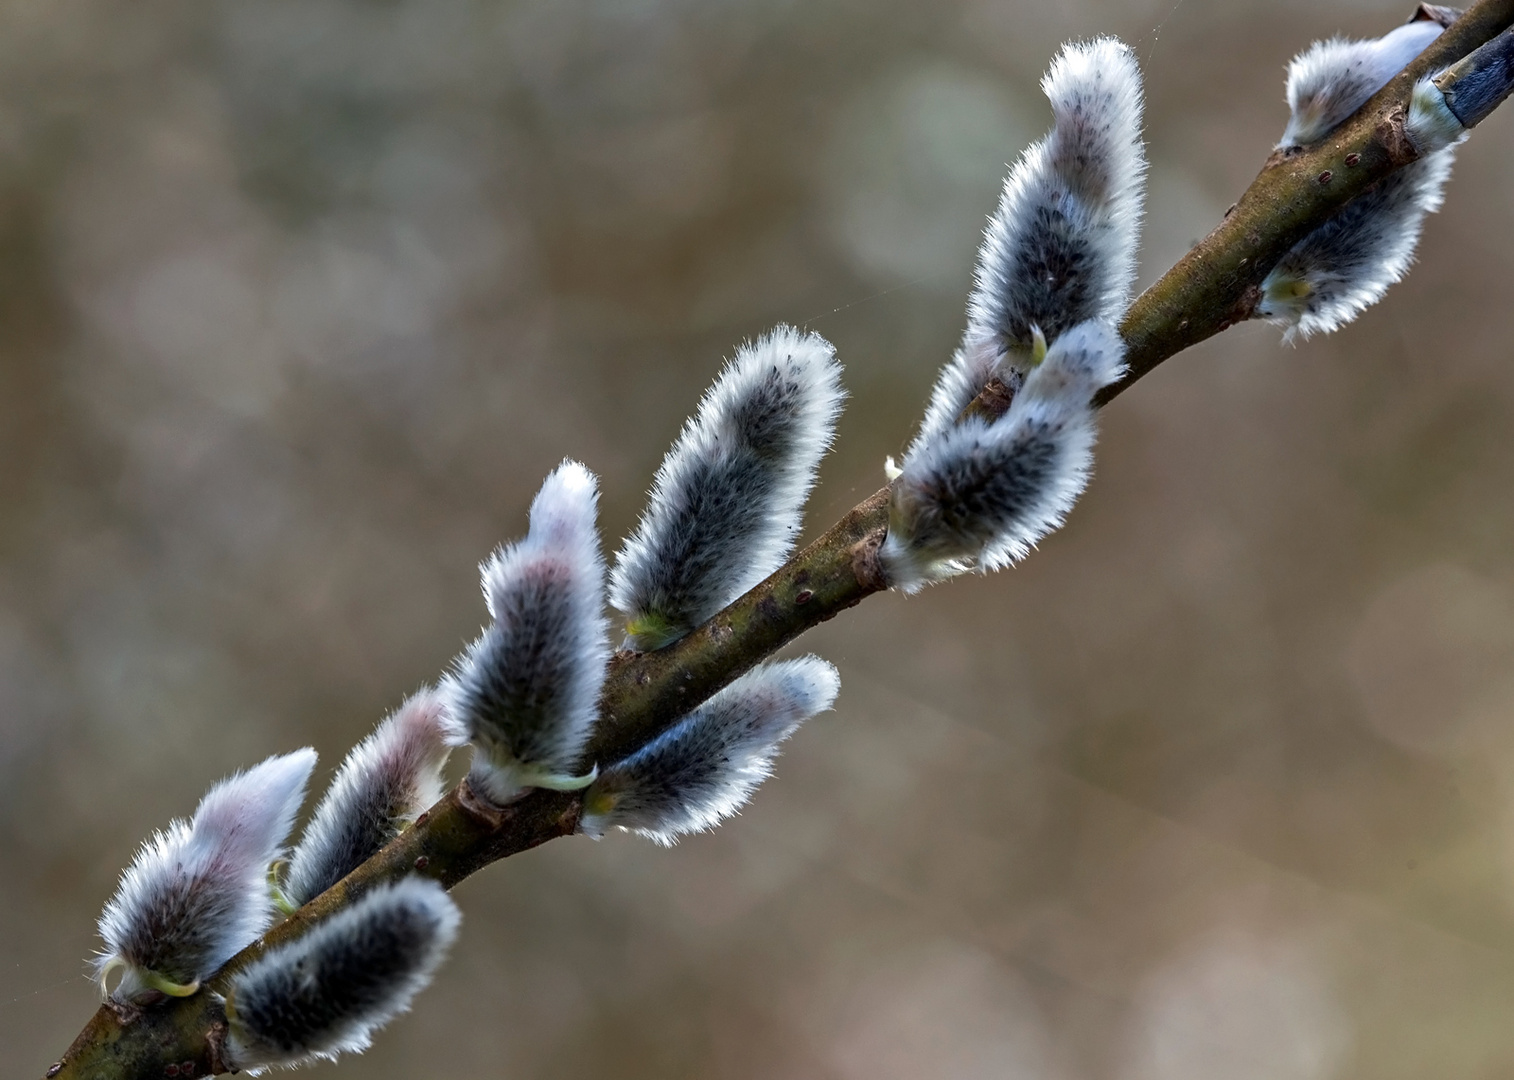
x=198, y=891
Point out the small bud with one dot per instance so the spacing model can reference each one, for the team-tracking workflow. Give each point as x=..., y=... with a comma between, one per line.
x=1480, y=81
x=983, y=493
x=525, y=692
x=387, y=779
x=704, y=768
x=329, y=991
x=1332, y=79
x=197, y=892
x=1060, y=250
x=727, y=501
x=1431, y=125
x=1445, y=107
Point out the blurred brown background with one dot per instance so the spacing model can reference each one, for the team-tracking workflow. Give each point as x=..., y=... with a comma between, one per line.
x=300, y=300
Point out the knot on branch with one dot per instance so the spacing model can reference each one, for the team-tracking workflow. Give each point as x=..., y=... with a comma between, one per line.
x=478, y=806
x=1394, y=139
x=867, y=567
x=215, y=1041
x=1245, y=306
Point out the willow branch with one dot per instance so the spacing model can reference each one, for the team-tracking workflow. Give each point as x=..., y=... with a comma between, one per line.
x=1213, y=287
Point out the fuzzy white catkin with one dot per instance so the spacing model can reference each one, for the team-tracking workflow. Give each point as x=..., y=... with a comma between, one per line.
x=704, y=768
x=526, y=691
x=385, y=782
x=726, y=504
x=197, y=892
x=1346, y=265
x=983, y=493
x=1330, y=80
x=326, y=993
x=1060, y=249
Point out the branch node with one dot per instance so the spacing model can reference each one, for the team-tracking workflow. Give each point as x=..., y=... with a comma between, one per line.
x=567, y=821
x=125, y=1012
x=1245, y=305
x=992, y=401
x=867, y=567
x=215, y=1039
x=483, y=809
x=1390, y=133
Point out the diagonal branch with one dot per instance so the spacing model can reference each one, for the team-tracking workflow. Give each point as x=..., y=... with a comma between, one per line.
x=1214, y=286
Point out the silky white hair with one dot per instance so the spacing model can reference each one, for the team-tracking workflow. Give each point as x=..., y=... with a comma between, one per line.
x=527, y=690
x=1061, y=247
x=327, y=992
x=728, y=499
x=384, y=783
x=197, y=892
x=1330, y=80
x=1346, y=265
x=981, y=494
x=1431, y=125
x=705, y=768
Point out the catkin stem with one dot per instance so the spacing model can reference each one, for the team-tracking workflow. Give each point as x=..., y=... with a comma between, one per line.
x=1214, y=286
